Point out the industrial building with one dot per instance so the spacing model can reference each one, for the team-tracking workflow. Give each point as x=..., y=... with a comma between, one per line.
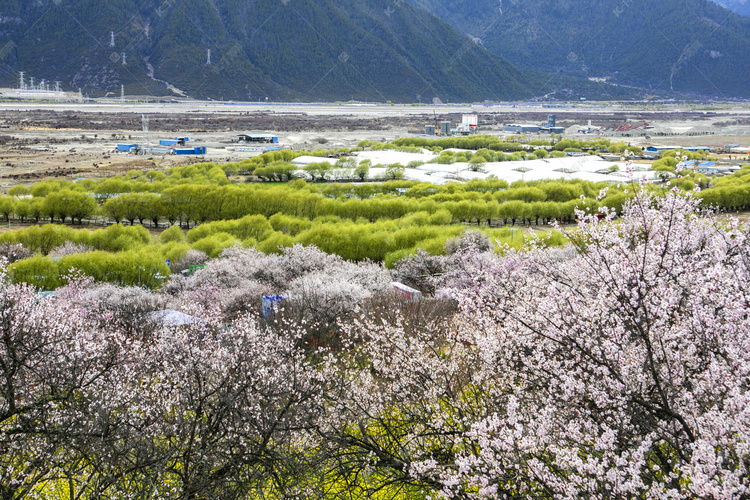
x=262, y=138
x=444, y=129
x=162, y=150
x=712, y=168
x=177, y=141
x=692, y=149
x=469, y=125
x=528, y=128
x=517, y=128
x=552, y=128
x=156, y=151
x=198, y=150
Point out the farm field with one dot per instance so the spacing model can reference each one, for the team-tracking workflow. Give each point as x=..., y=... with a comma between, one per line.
x=79, y=140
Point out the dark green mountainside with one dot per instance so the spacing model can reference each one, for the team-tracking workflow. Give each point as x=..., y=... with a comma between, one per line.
x=686, y=46
x=277, y=49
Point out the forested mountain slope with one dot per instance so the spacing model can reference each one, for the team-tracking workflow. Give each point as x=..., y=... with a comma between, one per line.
x=282, y=50
x=688, y=46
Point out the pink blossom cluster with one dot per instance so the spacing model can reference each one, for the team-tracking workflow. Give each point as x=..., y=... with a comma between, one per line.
x=183, y=412
x=616, y=367
x=620, y=371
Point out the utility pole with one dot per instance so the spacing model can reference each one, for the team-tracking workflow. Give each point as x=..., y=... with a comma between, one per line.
x=145, y=130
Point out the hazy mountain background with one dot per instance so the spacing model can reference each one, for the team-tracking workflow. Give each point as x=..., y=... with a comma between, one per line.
x=686, y=46
x=741, y=7
x=277, y=49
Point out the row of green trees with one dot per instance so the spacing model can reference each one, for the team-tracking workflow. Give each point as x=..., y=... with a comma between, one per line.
x=190, y=204
x=128, y=255
x=382, y=228
x=729, y=193
x=476, y=201
x=473, y=142
x=515, y=144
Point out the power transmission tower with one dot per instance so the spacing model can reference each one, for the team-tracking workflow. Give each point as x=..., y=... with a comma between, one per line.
x=112, y=39
x=23, y=84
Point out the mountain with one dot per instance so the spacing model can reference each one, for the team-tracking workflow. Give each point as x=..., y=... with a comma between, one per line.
x=685, y=46
x=277, y=49
x=741, y=7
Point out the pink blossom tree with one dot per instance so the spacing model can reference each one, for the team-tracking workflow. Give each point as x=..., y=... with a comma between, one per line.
x=230, y=414
x=615, y=368
x=621, y=371
x=55, y=364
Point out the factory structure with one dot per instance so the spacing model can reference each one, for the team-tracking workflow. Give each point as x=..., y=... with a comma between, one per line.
x=245, y=143
x=469, y=126
x=30, y=88
x=257, y=139
x=256, y=143
x=176, y=146
x=528, y=128
x=661, y=149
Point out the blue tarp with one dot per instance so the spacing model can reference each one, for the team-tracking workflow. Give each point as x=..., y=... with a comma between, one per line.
x=270, y=303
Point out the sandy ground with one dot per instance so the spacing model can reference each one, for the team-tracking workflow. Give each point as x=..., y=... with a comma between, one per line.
x=70, y=140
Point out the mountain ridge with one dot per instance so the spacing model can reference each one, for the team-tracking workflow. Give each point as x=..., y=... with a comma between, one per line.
x=281, y=50
x=690, y=46
x=741, y=7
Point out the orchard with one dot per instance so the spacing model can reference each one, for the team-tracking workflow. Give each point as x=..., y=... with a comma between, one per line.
x=616, y=366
